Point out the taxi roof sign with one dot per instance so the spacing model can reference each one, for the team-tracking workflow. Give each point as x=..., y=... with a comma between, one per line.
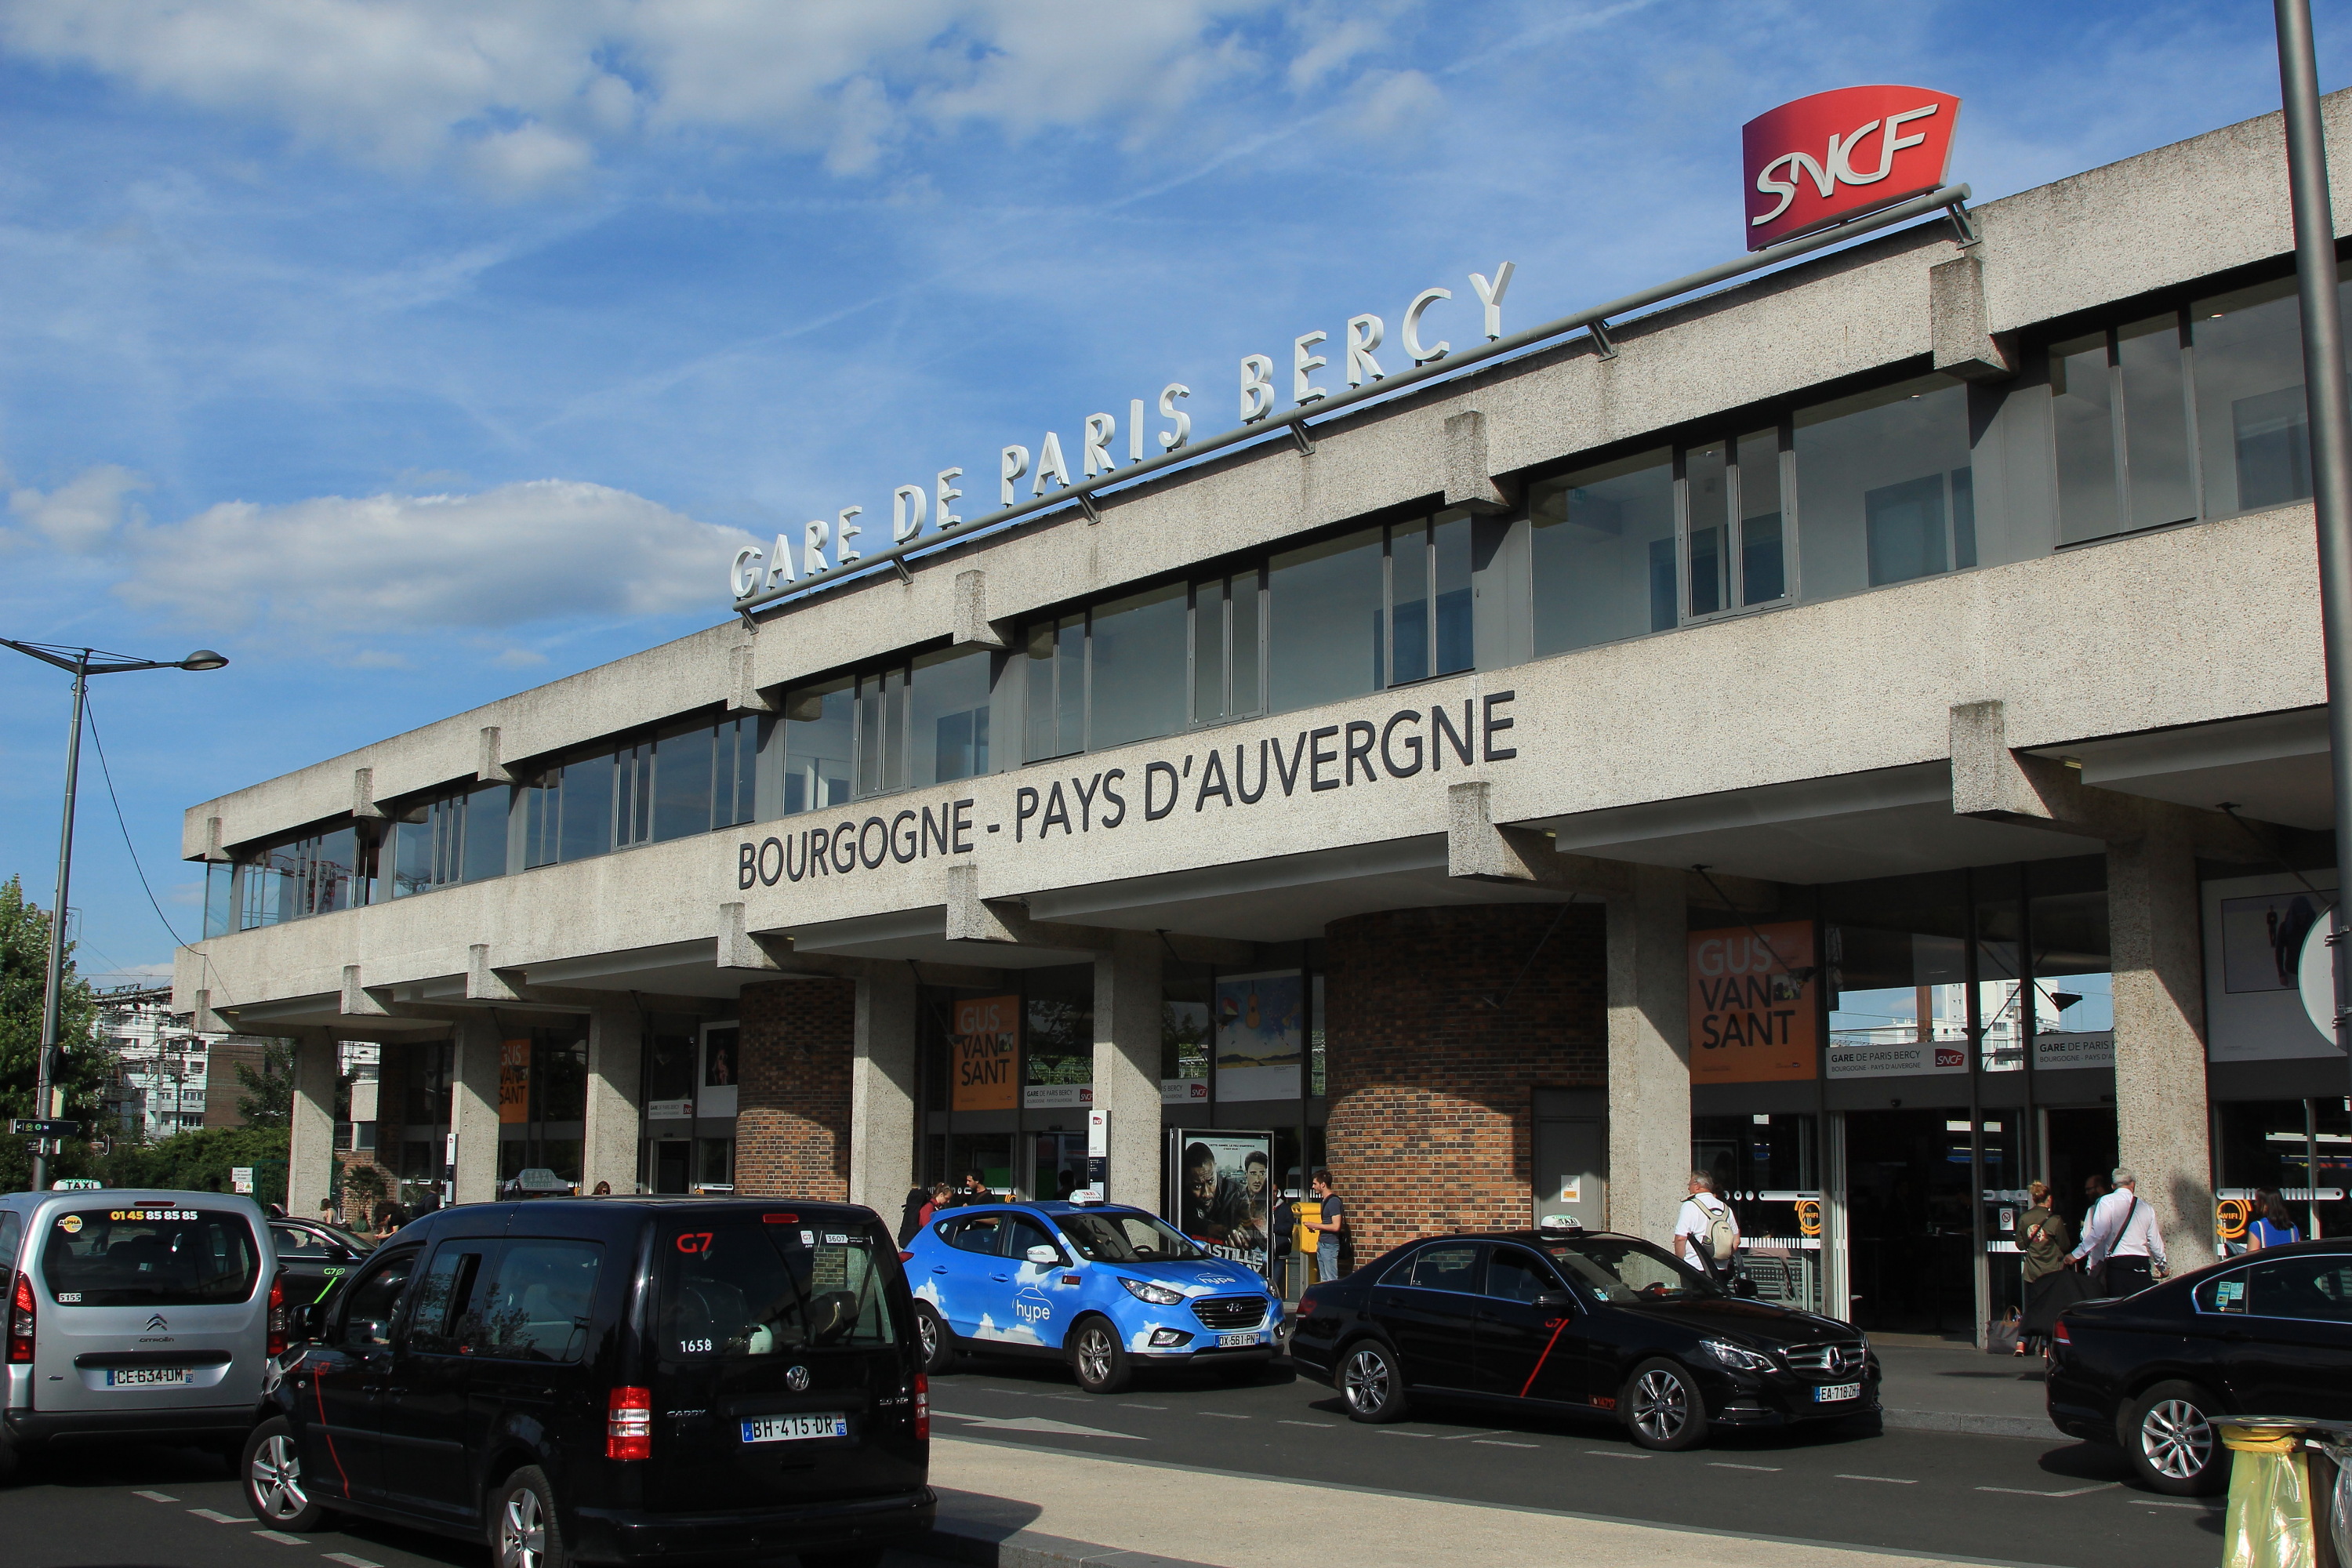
x=1559, y=1222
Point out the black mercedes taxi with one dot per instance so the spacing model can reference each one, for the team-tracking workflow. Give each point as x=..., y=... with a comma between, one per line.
x=1575, y=1320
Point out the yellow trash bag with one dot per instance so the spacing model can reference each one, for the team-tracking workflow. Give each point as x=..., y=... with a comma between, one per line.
x=2269, y=1523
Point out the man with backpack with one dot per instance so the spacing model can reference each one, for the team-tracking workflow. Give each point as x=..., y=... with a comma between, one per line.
x=1706, y=1233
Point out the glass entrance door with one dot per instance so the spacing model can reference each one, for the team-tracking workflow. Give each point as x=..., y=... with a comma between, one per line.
x=1910, y=1241
x=672, y=1161
x=1058, y=1164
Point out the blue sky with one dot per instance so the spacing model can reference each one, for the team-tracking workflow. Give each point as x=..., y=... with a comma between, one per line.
x=413, y=353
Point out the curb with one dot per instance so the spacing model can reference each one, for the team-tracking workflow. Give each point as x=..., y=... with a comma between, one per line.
x=1028, y=1549
x=1990, y=1425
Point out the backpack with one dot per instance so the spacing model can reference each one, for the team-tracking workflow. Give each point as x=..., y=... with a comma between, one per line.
x=1722, y=1235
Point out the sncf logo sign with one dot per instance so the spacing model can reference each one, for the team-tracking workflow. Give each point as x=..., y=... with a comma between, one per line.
x=1835, y=156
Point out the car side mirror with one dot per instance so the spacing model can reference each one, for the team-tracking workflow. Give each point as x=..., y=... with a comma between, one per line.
x=1557, y=1300
x=313, y=1321
x=1743, y=1287
x=1045, y=1257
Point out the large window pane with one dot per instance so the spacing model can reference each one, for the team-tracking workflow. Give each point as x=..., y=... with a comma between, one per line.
x=1707, y=485
x=1323, y=611
x=1764, y=575
x=2156, y=422
x=2253, y=437
x=587, y=808
x=1209, y=651
x=683, y=773
x=1054, y=653
x=1881, y=478
x=1137, y=676
x=819, y=729
x=948, y=703
x=1449, y=538
x=1245, y=596
x=2082, y=414
x=1409, y=628
x=1604, y=553
x=882, y=732
x=485, y=852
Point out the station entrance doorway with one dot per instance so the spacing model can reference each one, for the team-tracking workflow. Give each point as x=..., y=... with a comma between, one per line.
x=1911, y=1241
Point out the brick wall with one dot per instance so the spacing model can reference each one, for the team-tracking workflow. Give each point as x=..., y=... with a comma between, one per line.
x=792, y=1105
x=1433, y=1085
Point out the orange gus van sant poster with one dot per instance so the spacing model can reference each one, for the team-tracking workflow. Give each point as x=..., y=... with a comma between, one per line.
x=1754, y=1004
x=986, y=1043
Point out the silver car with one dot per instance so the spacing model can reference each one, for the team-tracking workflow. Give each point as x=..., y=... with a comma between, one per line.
x=133, y=1313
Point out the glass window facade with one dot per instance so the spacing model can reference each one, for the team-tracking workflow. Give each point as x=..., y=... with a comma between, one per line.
x=1324, y=616
x=1604, y=542
x=1884, y=492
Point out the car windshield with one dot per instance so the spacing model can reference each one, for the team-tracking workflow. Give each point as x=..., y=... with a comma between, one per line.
x=755, y=1285
x=1618, y=1268
x=1125, y=1238
x=149, y=1257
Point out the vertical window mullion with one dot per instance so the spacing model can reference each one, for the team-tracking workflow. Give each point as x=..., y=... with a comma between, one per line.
x=2189, y=409
x=2117, y=419
x=1792, y=554
x=1681, y=536
x=1734, y=527
x=1429, y=577
x=1385, y=676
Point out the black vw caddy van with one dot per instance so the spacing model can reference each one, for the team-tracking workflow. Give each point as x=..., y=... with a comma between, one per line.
x=613, y=1379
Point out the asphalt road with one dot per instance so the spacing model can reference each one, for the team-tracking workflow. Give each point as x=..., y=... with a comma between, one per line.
x=2002, y=1500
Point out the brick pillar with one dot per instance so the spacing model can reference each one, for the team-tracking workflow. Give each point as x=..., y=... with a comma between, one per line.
x=792, y=1099
x=1441, y=1025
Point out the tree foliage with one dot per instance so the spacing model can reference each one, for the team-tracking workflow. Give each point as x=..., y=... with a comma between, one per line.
x=23, y=963
x=268, y=1097
x=199, y=1160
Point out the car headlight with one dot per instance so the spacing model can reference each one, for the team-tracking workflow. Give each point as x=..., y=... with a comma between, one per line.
x=1740, y=1358
x=1157, y=1295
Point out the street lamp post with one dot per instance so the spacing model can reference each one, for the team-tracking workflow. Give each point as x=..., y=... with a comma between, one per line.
x=83, y=662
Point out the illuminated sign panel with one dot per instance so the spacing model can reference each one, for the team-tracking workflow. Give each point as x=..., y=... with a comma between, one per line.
x=1835, y=156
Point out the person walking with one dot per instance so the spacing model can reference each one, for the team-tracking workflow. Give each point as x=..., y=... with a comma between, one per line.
x=2121, y=1244
x=1706, y=1233
x=2043, y=1235
x=938, y=1197
x=2271, y=1225
x=1333, y=1225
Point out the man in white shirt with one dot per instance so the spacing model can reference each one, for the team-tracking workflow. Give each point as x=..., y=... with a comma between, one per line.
x=1694, y=1222
x=2122, y=1235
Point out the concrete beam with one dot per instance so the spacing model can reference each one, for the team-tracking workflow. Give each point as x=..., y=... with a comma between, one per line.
x=364, y=795
x=741, y=948
x=488, y=769
x=1956, y=317
x=971, y=918
x=358, y=1001
x=1469, y=472
x=743, y=694
x=968, y=612
x=486, y=983
x=1480, y=849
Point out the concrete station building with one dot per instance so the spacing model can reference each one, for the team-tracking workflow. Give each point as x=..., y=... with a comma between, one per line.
x=1934, y=598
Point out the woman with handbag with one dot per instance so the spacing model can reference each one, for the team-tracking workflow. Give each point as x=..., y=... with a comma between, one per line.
x=2272, y=1225
x=2051, y=1287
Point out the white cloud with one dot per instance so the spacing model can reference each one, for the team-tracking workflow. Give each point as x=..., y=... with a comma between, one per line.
x=81, y=515
x=527, y=92
x=383, y=565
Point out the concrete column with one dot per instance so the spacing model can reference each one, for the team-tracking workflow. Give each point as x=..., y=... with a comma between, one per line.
x=616, y=1042
x=882, y=1095
x=2161, y=1127
x=310, y=1152
x=474, y=1111
x=1649, y=1053
x=1127, y=1065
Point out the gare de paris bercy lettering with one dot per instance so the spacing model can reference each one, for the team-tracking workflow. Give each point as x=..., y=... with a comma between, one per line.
x=1340, y=756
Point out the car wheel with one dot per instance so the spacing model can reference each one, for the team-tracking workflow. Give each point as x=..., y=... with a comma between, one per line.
x=275, y=1488
x=936, y=1340
x=1098, y=1360
x=1663, y=1407
x=2170, y=1439
x=1372, y=1382
x=524, y=1531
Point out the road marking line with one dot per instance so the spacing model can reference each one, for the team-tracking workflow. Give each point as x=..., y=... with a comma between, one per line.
x=1326, y=1425
x=348, y=1561
x=2153, y=1502
x=1392, y=1432
x=156, y=1497
x=1221, y=1415
x=1143, y=1407
x=217, y=1517
x=1890, y=1480
x=280, y=1537
x=2029, y=1491
x=1499, y=1443
x=1617, y=1454
x=1727, y=1465
x=1461, y=1436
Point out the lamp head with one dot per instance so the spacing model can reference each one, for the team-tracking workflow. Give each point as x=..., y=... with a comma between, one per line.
x=203, y=658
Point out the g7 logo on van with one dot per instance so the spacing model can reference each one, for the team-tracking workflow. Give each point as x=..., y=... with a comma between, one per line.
x=694, y=1241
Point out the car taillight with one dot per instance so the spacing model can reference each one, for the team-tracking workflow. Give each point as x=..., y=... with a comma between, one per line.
x=1305, y=1307
x=2058, y=1335
x=922, y=1408
x=906, y=1258
x=20, y=1320
x=277, y=1346
x=629, y=1423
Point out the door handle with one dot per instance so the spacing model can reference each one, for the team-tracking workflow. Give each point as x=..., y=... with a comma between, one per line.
x=939, y=1268
x=1002, y=1279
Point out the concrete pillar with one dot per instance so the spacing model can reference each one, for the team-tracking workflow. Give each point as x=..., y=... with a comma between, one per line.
x=310, y=1151
x=1127, y=1065
x=474, y=1111
x=616, y=1042
x=1649, y=1053
x=2161, y=1127
x=882, y=1095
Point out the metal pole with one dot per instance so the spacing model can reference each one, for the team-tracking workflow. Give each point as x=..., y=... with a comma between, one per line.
x=53, y=986
x=2331, y=435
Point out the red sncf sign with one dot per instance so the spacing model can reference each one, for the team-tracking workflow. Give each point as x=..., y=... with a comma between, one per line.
x=1837, y=154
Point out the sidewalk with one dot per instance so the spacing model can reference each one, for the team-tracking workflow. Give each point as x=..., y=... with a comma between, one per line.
x=1954, y=1387
x=1008, y=1507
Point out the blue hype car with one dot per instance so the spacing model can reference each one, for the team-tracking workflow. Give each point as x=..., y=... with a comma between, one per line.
x=1104, y=1287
